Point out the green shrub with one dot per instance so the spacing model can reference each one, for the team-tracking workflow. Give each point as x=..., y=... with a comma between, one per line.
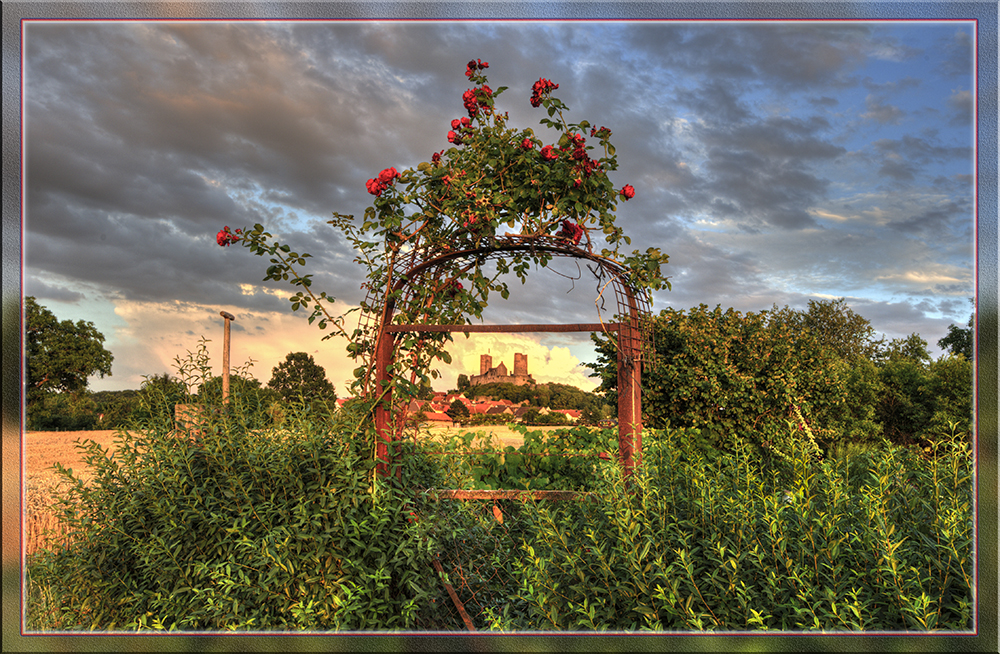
x=726, y=373
x=703, y=543
x=236, y=529
x=115, y=408
x=63, y=412
x=948, y=389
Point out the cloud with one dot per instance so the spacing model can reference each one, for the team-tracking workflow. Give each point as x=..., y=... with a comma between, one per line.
x=880, y=112
x=753, y=167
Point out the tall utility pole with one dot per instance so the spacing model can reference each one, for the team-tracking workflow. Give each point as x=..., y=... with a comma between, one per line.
x=225, y=357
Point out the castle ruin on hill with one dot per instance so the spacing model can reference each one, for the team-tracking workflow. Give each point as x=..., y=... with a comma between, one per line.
x=499, y=375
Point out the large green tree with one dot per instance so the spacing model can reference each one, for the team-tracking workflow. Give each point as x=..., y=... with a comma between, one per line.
x=959, y=340
x=755, y=375
x=300, y=375
x=840, y=330
x=61, y=355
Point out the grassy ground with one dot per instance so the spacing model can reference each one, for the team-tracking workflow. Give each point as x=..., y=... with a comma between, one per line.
x=501, y=433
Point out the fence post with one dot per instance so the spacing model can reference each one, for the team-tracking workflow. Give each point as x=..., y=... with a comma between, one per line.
x=225, y=357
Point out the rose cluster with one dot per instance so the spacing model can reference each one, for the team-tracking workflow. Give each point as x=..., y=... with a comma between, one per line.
x=538, y=88
x=456, y=137
x=473, y=66
x=571, y=231
x=577, y=152
x=477, y=99
x=382, y=182
x=226, y=237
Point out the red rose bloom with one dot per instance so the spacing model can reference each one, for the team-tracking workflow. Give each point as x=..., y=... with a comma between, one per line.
x=527, y=144
x=538, y=88
x=469, y=100
x=548, y=154
x=465, y=122
x=628, y=192
x=225, y=237
x=473, y=66
x=374, y=187
x=571, y=231
x=455, y=123
x=436, y=157
x=388, y=175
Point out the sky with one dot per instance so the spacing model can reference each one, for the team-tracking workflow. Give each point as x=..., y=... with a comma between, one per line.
x=774, y=162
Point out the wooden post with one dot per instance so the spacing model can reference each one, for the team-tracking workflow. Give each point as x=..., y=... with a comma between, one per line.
x=225, y=357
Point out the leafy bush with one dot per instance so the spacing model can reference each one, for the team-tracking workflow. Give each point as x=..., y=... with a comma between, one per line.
x=701, y=543
x=62, y=412
x=236, y=529
x=948, y=389
x=727, y=373
x=115, y=408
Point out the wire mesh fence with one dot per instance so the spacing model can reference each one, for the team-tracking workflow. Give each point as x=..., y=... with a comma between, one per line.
x=480, y=541
x=482, y=512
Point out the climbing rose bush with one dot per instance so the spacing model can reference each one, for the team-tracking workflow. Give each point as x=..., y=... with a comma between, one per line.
x=492, y=177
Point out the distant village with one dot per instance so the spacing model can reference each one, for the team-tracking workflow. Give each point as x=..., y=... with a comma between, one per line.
x=439, y=409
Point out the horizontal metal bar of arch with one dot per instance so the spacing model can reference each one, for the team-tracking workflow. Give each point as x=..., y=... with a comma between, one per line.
x=507, y=329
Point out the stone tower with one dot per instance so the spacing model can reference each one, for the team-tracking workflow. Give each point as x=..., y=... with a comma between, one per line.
x=485, y=363
x=520, y=365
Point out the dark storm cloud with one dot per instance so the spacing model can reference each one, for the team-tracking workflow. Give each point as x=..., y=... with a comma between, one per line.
x=932, y=221
x=759, y=173
x=42, y=291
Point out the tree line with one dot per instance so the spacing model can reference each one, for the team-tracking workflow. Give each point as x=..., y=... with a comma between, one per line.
x=725, y=372
x=62, y=355
x=758, y=377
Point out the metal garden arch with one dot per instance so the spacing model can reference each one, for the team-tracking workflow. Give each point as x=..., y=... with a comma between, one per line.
x=633, y=307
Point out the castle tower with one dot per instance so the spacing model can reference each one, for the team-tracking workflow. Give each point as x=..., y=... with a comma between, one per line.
x=520, y=365
x=485, y=363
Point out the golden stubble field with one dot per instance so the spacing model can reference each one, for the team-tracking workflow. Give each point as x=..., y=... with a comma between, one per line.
x=45, y=448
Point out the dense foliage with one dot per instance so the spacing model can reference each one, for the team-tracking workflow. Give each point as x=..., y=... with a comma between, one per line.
x=735, y=375
x=60, y=355
x=235, y=528
x=300, y=377
x=289, y=530
x=881, y=541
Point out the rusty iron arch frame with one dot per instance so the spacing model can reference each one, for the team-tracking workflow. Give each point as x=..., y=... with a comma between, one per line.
x=633, y=309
